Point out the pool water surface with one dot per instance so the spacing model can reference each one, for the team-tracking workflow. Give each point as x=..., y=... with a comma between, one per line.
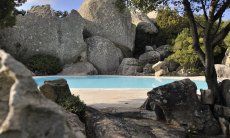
x=115, y=82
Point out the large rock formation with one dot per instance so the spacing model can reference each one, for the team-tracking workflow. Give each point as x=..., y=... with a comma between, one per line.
x=24, y=111
x=107, y=20
x=41, y=32
x=143, y=22
x=80, y=68
x=178, y=103
x=103, y=54
x=145, y=31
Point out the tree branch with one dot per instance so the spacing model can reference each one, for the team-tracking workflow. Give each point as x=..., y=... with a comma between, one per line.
x=201, y=26
x=218, y=26
x=204, y=10
x=213, y=6
x=221, y=35
x=221, y=10
x=195, y=36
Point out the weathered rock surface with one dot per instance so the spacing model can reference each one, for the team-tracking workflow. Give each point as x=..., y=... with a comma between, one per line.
x=143, y=22
x=149, y=48
x=161, y=72
x=129, y=66
x=222, y=111
x=147, y=70
x=164, y=51
x=124, y=125
x=172, y=66
x=178, y=103
x=55, y=89
x=106, y=20
x=77, y=126
x=152, y=15
x=159, y=65
x=151, y=57
x=225, y=91
x=226, y=60
x=103, y=54
x=80, y=68
x=41, y=32
x=24, y=111
x=222, y=71
x=145, y=32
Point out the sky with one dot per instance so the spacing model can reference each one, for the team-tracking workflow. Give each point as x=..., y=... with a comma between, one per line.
x=63, y=5
x=68, y=5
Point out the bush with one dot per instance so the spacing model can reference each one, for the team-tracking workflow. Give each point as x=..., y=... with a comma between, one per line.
x=74, y=105
x=227, y=40
x=170, y=24
x=44, y=64
x=184, y=52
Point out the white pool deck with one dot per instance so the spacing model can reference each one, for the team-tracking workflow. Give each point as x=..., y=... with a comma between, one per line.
x=118, y=98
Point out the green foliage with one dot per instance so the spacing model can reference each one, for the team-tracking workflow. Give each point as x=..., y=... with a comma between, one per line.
x=44, y=64
x=74, y=105
x=7, y=17
x=227, y=40
x=184, y=52
x=170, y=24
x=120, y=4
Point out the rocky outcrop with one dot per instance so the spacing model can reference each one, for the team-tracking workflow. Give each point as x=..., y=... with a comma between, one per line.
x=41, y=32
x=80, y=68
x=222, y=71
x=164, y=51
x=147, y=70
x=103, y=54
x=106, y=20
x=129, y=66
x=152, y=15
x=226, y=60
x=177, y=103
x=143, y=22
x=55, y=89
x=145, y=31
x=24, y=111
x=127, y=125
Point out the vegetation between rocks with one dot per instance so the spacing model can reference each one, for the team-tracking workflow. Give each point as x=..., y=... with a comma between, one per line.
x=74, y=105
x=44, y=64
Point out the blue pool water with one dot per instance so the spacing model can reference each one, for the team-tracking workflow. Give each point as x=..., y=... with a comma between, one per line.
x=111, y=82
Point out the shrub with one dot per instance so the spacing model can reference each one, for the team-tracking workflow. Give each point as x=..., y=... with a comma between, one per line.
x=170, y=24
x=227, y=40
x=44, y=64
x=74, y=105
x=184, y=52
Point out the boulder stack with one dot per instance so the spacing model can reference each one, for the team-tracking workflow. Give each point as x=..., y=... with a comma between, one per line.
x=24, y=111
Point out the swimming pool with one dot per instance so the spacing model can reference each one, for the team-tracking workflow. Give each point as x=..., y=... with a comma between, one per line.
x=115, y=82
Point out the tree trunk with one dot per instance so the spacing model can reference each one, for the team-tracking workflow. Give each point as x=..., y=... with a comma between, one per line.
x=210, y=73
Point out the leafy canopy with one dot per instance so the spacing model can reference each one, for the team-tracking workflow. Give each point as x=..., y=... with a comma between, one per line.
x=7, y=8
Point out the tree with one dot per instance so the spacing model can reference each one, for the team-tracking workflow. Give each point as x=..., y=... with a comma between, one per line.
x=7, y=8
x=213, y=11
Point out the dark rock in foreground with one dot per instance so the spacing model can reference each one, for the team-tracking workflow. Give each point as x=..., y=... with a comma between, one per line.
x=178, y=103
x=127, y=125
x=56, y=89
